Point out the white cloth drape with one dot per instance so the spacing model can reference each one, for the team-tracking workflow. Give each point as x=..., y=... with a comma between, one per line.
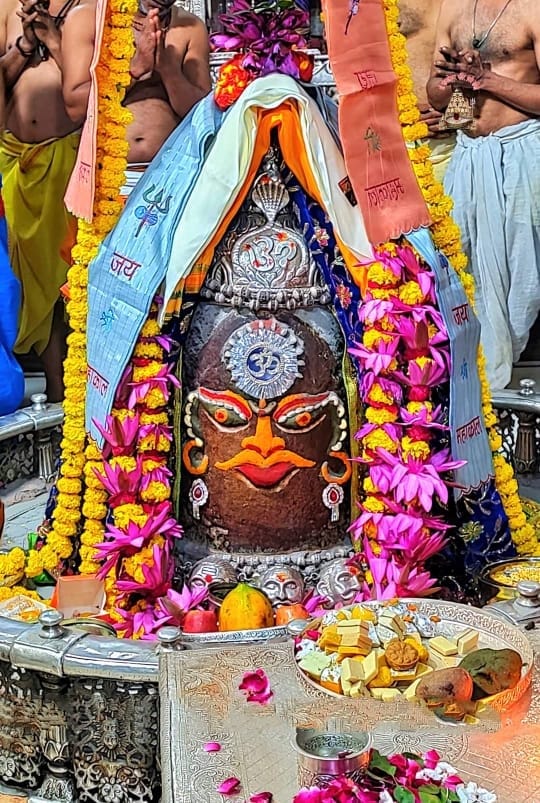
x=494, y=182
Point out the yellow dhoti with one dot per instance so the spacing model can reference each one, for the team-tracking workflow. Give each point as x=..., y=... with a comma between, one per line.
x=441, y=153
x=35, y=178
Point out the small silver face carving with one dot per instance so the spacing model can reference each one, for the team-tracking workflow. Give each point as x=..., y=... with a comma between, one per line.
x=283, y=585
x=339, y=581
x=211, y=570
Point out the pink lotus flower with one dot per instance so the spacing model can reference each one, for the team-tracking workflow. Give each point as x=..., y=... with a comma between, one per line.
x=392, y=430
x=388, y=386
x=405, y=534
x=143, y=625
x=365, y=518
x=314, y=603
x=374, y=309
x=162, y=380
x=423, y=418
x=120, y=435
x=256, y=686
x=157, y=576
x=165, y=342
x=415, y=481
x=122, y=486
x=422, y=378
x=177, y=604
x=415, y=337
x=123, y=544
x=230, y=786
x=156, y=431
x=407, y=581
x=378, y=360
x=159, y=474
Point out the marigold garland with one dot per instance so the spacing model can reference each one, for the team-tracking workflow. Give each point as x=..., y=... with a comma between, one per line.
x=113, y=77
x=446, y=236
x=137, y=549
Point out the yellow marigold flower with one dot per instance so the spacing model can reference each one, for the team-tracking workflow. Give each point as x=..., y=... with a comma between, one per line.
x=369, y=486
x=125, y=462
x=143, y=372
x=381, y=275
x=149, y=351
x=155, y=492
x=380, y=415
x=411, y=293
x=419, y=450
x=151, y=328
x=93, y=452
x=94, y=510
x=123, y=414
x=373, y=504
x=69, y=486
x=377, y=395
x=372, y=338
x=418, y=406
x=154, y=418
x=155, y=399
x=123, y=514
x=379, y=439
x=88, y=567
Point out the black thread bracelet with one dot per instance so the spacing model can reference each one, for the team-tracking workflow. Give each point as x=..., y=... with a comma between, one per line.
x=23, y=53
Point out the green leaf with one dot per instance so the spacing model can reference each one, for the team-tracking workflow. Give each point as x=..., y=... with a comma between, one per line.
x=427, y=797
x=403, y=795
x=379, y=762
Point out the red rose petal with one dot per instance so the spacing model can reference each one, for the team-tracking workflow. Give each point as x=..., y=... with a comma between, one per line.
x=212, y=747
x=262, y=797
x=231, y=786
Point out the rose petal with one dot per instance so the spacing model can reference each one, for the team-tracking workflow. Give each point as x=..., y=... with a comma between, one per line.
x=262, y=797
x=212, y=747
x=256, y=686
x=231, y=786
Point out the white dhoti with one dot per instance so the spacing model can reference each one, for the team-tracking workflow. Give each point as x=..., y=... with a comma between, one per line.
x=494, y=182
x=133, y=174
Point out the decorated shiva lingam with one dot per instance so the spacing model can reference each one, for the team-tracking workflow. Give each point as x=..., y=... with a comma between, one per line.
x=264, y=431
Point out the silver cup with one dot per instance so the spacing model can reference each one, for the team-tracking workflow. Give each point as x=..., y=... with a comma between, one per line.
x=322, y=756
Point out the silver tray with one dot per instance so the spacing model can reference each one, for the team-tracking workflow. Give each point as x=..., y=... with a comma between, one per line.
x=493, y=633
x=264, y=635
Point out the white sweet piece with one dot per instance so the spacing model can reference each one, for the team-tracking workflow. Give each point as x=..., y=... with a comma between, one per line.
x=305, y=646
x=385, y=634
x=467, y=641
x=443, y=646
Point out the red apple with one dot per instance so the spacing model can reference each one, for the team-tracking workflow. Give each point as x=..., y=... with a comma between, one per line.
x=196, y=621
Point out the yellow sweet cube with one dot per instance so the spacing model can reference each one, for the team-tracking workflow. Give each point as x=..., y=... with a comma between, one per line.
x=352, y=670
x=443, y=646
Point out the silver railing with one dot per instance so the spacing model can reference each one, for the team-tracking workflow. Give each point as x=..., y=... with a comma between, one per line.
x=79, y=715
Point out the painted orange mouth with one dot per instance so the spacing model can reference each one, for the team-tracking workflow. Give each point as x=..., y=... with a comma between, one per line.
x=266, y=477
x=265, y=472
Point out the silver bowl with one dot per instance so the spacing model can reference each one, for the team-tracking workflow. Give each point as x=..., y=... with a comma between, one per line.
x=322, y=756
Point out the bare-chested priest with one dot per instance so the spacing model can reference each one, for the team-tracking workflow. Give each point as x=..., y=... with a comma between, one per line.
x=170, y=73
x=418, y=23
x=37, y=154
x=493, y=46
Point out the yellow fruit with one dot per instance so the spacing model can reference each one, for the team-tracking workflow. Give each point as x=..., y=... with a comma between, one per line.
x=245, y=608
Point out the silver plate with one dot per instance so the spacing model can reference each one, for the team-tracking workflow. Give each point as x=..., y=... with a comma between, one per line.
x=493, y=633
